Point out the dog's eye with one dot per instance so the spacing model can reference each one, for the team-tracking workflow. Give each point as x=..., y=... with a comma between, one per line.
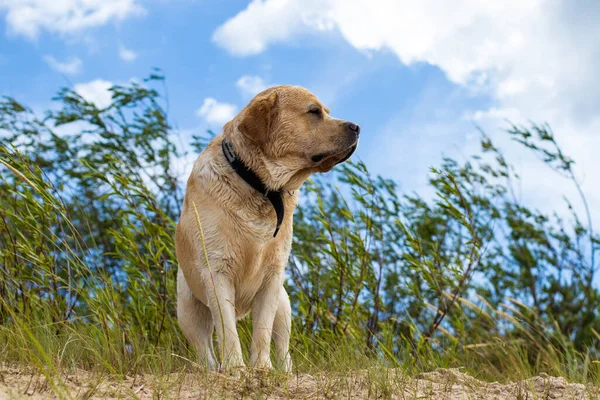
x=318, y=157
x=315, y=110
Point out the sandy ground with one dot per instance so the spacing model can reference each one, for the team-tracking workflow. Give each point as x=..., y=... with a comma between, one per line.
x=448, y=384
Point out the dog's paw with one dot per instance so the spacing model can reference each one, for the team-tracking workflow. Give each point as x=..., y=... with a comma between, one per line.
x=287, y=365
x=234, y=368
x=264, y=365
x=207, y=363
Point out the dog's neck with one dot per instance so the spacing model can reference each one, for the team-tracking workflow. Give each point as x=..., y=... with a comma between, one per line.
x=274, y=176
x=275, y=197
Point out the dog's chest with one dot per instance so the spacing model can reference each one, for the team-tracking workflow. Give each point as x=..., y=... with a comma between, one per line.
x=260, y=264
x=260, y=245
x=263, y=256
x=259, y=227
x=262, y=253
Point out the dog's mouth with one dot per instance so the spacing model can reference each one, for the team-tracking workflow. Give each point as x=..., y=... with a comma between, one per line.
x=325, y=162
x=349, y=154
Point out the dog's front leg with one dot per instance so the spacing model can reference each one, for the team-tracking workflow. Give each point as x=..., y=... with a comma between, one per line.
x=264, y=309
x=282, y=327
x=221, y=298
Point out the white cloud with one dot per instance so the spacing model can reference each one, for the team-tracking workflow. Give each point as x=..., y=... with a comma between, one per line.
x=215, y=112
x=96, y=92
x=260, y=24
x=29, y=17
x=463, y=37
x=493, y=113
x=535, y=59
x=70, y=67
x=251, y=85
x=514, y=50
x=127, y=54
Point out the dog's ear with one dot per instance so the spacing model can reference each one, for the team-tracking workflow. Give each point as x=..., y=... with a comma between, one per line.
x=258, y=117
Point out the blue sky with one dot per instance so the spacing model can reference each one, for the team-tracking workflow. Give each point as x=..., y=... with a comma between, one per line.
x=417, y=76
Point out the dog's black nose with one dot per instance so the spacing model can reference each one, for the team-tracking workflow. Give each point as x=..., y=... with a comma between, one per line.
x=353, y=127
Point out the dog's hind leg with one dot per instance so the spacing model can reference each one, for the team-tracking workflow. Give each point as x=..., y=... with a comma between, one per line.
x=281, y=331
x=196, y=322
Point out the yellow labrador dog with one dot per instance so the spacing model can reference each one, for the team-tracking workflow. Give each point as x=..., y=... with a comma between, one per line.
x=242, y=192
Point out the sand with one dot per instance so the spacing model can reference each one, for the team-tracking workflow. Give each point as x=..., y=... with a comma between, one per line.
x=447, y=384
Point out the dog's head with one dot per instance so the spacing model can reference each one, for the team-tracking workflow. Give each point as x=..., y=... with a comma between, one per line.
x=293, y=132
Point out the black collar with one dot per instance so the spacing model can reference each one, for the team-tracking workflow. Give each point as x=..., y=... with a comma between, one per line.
x=275, y=197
